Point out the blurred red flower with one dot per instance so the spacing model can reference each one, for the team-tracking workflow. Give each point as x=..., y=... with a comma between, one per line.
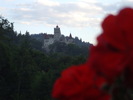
x=78, y=83
x=113, y=53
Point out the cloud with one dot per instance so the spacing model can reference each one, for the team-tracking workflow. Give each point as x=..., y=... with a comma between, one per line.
x=127, y=3
x=48, y=2
x=130, y=0
x=115, y=7
x=25, y=9
x=77, y=14
x=84, y=13
x=2, y=8
x=26, y=23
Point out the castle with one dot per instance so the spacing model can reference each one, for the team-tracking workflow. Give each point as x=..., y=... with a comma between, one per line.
x=57, y=37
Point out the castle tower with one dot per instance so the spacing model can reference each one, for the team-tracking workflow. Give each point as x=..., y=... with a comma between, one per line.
x=70, y=39
x=70, y=36
x=57, y=33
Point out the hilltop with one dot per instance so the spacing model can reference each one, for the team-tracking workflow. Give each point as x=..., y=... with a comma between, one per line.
x=53, y=42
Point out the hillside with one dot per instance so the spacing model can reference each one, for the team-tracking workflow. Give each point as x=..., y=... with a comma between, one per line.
x=27, y=72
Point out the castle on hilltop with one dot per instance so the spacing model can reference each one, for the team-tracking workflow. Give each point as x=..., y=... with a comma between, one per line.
x=57, y=37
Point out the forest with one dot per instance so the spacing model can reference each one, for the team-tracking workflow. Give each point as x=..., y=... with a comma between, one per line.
x=27, y=72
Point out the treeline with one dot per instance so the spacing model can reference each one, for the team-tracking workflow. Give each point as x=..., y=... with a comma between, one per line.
x=78, y=42
x=26, y=71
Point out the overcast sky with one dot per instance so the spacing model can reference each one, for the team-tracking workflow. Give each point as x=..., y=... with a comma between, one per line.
x=81, y=18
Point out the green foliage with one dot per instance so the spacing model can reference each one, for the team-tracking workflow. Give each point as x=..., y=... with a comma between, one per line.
x=68, y=49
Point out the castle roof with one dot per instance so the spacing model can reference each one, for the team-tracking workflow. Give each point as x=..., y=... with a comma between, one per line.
x=57, y=26
x=48, y=36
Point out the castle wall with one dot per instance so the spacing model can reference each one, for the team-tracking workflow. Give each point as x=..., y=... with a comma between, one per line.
x=48, y=42
x=69, y=41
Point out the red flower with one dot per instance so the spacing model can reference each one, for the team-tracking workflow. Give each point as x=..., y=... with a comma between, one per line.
x=113, y=52
x=78, y=83
x=106, y=60
x=118, y=30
